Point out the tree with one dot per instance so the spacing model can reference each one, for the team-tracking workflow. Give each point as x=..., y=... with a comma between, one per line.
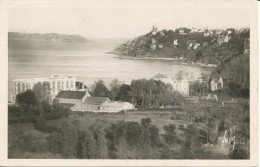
x=213, y=127
x=133, y=133
x=69, y=135
x=124, y=93
x=100, y=90
x=28, y=97
x=146, y=123
x=89, y=146
x=114, y=89
x=122, y=149
x=191, y=142
x=102, y=150
x=155, y=137
x=151, y=86
x=180, y=75
x=170, y=134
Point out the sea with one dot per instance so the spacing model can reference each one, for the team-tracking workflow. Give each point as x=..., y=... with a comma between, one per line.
x=88, y=61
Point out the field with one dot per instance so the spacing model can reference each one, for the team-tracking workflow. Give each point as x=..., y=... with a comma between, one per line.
x=104, y=120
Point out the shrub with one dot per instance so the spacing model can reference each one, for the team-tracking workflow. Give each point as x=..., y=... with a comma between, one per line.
x=20, y=120
x=40, y=124
x=55, y=115
x=181, y=127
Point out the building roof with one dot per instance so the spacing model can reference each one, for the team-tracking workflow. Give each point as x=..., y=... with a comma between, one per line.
x=71, y=94
x=96, y=100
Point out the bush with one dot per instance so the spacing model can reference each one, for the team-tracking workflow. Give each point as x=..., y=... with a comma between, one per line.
x=40, y=124
x=55, y=115
x=181, y=127
x=27, y=97
x=20, y=120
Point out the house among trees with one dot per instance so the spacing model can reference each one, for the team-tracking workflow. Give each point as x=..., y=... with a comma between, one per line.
x=154, y=30
x=153, y=46
x=175, y=42
x=68, y=99
x=181, y=31
x=180, y=85
x=215, y=83
x=160, y=46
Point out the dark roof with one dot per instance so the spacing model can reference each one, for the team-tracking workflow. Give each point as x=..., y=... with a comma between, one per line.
x=71, y=94
x=96, y=100
x=159, y=76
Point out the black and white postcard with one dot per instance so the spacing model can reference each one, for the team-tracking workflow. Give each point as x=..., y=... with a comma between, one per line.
x=129, y=83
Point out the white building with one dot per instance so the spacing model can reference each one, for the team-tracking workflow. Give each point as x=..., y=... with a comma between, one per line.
x=154, y=31
x=175, y=42
x=160, y=46
x=116, y=106
x=101, y=104
x=181, y=86
x=181, y=31
x=56, y=82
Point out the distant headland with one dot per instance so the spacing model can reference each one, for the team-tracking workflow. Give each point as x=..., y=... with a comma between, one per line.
x=45, y=37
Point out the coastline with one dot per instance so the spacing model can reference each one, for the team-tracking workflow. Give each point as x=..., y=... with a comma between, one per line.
x=176, y=61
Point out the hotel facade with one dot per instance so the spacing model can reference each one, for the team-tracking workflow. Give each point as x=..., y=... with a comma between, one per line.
x=55, y=82
x=181, y=86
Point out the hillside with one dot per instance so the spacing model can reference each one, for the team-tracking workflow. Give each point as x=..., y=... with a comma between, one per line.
x=188, y=45
x=45, y=37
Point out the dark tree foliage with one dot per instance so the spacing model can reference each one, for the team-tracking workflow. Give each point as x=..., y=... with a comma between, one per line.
x=124, y=93
x=146, y=123
x=155, y=137
x=133, y=133
x=100, y=89
x=28, y=97
x=191, y=142
x=170, y=134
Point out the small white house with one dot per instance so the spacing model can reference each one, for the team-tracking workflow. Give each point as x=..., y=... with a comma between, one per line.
x=160, y=46
x=181, y=31
x=153, y=46
x=175, y=42
x=196, y=46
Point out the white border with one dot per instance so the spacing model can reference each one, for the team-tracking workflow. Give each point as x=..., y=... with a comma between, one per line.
x=249, y=4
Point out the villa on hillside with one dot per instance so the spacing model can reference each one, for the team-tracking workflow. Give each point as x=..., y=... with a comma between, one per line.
x=181, y=86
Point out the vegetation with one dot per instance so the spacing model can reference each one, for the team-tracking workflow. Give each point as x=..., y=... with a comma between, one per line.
x=141, y=92
x=135, y=136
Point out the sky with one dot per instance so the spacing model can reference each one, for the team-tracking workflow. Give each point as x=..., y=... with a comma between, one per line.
x=116, y=22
